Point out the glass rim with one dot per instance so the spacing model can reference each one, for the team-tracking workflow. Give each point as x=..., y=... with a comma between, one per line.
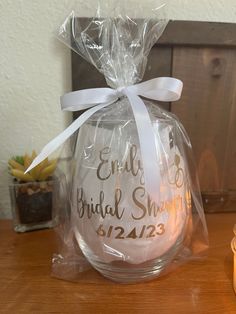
x=11, y=182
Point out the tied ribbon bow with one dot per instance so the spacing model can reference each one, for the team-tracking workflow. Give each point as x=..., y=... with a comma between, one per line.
x=162, y=89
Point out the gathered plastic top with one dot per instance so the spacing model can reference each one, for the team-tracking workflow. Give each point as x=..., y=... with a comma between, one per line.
x=117, y=46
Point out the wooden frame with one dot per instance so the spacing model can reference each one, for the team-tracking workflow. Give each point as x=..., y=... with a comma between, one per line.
x=203, y=55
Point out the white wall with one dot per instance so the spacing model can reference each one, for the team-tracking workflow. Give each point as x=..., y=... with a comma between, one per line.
x=35, y=69
x=203, y=10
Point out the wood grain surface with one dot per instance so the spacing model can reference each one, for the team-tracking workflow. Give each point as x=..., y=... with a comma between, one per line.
x=193, y=33
x=201, y=287
x=208, y=112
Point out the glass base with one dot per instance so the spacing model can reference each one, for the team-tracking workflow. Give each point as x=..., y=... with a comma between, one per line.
x=121, y=268
x=125, y=273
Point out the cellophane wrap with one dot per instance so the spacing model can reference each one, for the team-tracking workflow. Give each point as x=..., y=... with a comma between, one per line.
x=113, y=224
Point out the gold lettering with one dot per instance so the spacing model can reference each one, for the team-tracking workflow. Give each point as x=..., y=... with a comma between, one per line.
x=105, y=151
x=153, y=209
x=83, y=207
x=143, y=209
x=161, y=229
x=115, y=167
x=108, y=168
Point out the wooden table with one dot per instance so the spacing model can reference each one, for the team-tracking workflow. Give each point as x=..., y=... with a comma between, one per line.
x=197, y=287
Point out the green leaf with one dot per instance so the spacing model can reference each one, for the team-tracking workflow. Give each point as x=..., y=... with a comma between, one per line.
x=20, y=160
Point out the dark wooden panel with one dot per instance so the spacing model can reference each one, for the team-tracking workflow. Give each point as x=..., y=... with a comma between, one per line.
x=84, y=74
x=207, y=110
x=192, y=33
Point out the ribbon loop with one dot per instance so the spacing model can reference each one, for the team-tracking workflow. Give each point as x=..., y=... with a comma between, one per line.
x=162, y=89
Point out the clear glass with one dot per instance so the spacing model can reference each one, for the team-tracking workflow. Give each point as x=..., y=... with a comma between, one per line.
x=122, y=232
x=34, y=205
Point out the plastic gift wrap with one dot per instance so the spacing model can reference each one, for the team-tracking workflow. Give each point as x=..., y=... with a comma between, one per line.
x=122, y=230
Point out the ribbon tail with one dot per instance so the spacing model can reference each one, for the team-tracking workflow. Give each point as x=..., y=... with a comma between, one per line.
x=62, y=137
x=147, y=145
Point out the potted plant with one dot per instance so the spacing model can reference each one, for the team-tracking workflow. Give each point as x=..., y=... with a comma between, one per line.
x=34, y=194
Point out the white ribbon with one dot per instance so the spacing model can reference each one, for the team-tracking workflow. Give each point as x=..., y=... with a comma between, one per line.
x=163, y=89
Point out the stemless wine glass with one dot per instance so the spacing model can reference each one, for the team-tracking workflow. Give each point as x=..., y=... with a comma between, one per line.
x=122, y=232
